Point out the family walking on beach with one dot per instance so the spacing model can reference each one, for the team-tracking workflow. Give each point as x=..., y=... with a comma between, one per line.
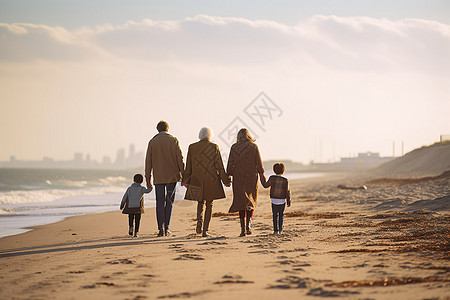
x=203, y=176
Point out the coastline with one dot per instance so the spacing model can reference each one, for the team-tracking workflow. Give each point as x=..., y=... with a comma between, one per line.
x=337, y=247
x=22, y=217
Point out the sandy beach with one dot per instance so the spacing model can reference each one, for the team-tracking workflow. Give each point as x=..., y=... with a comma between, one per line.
x=387, y=242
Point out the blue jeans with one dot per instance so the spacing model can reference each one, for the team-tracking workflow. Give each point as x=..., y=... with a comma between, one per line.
x=165, y=194
x=278, y=216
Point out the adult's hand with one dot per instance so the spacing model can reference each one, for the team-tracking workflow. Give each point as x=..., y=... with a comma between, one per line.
x=149, y=184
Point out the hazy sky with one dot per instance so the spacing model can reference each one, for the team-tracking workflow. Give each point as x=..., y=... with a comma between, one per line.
x=342, y=76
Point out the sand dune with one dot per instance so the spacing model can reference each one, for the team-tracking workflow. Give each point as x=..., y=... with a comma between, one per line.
x=426, y=161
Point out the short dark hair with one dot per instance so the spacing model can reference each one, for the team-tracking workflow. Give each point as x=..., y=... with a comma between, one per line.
x=279, y=168
x=138, y=178
x=162, y=126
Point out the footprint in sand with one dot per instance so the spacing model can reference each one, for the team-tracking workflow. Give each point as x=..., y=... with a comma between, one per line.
x=227, y=279
x=293, y=282
x=296, y=265
x=189, y=256
x=184, y=295
x=75, y=272
x=98, y=284
x=293, y=250
x=121, y=261
x=286, y=262
x=262, y=252
x=213, y=243
x=319, y=292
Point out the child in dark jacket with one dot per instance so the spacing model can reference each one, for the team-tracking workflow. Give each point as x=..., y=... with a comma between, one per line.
x=133, y=203
x=280, y=194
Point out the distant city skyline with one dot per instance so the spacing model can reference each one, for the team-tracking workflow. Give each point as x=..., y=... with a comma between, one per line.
x=136, y=159
x=132, y=159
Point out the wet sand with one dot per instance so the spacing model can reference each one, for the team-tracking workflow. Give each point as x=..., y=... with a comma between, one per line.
x=390, y=241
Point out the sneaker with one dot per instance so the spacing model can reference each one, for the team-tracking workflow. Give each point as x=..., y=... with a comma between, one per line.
x=167, y=232
x=161, y=232
x=130, y=231
x=136, y=234
x=205, y=234
x=275, y=232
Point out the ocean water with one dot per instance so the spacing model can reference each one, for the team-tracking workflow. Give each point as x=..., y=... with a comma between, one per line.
x=31, y=197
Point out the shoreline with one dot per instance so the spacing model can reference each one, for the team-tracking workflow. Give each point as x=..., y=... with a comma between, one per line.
x=335, y=244
x=85, y=208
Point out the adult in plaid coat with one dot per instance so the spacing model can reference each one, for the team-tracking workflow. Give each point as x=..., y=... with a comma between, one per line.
x=244, y=165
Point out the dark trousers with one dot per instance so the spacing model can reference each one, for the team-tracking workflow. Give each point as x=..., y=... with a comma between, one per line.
x=165, y=194
x=278, y=216
x=137, y=221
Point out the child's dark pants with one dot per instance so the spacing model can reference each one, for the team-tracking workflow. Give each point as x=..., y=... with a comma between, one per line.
x=137, y=221
x=278, y=216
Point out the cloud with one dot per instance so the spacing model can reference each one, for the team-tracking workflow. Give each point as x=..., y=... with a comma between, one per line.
x=25, y=42
x=342, y=43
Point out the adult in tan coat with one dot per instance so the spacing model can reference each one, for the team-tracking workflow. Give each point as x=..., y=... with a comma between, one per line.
x=244, y=165
x=165, y=160
x=202, y=177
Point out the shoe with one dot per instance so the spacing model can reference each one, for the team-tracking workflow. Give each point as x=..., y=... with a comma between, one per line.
x=275, y=232
x=161, y=232
x=248, y=226
x=136, y=234
x=199, y=227
x=130, y=231
x=205, y=234
x=167, y=232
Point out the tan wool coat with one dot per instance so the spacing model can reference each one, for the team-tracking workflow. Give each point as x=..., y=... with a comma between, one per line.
x=204, y=172
x=164, y=159
x=244, y=165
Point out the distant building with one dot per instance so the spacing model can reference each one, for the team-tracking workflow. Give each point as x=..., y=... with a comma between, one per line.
x=120, y=158
x=366, y=160
x=106, y=160
x=47, y=159
x=445, y=137
x=78, y=157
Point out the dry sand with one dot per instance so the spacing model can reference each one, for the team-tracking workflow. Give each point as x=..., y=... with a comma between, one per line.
x=390, y=241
